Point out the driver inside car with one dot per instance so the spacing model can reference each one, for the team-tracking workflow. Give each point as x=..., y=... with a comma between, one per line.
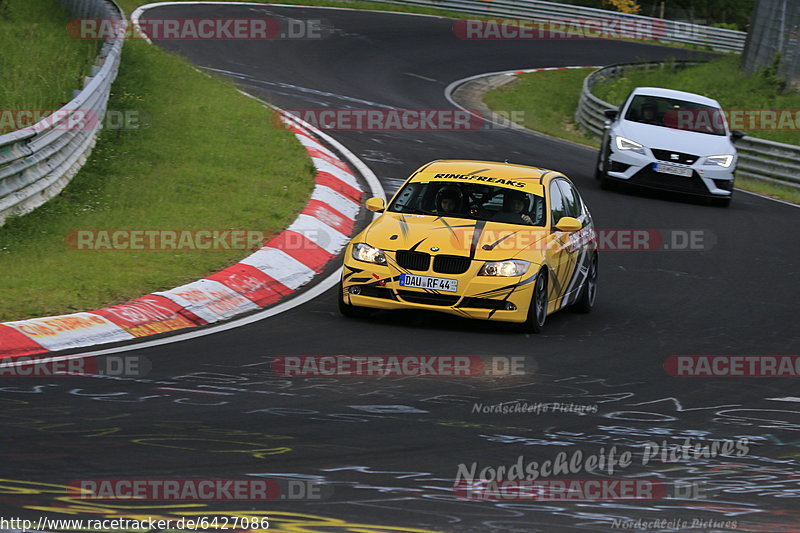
x=448, y=200
x=515, y=204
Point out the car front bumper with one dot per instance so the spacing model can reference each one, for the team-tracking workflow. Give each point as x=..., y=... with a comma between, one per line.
x=636, y=169
x=504, y=299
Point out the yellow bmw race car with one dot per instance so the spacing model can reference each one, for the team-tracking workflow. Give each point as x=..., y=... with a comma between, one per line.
x=477, y=239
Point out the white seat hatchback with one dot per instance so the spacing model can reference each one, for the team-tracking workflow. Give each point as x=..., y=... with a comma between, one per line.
x=669, y=140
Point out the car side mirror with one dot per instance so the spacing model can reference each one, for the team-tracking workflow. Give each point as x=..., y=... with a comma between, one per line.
x=569, y=224
x=736, y=135
x=376, y=204
x=611, y=113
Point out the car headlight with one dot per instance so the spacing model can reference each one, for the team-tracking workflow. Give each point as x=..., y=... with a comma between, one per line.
x=721, y=160
x=626, y=145
x=368, y=254
x=513, y=267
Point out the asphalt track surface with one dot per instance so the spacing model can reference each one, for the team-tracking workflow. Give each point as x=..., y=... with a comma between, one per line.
x=211, y=408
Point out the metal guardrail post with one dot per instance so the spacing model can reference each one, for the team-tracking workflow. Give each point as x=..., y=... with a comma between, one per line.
x=36, y=163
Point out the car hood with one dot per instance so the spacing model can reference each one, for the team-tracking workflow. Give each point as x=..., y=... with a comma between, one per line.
x=485, y=241
x=689, y=142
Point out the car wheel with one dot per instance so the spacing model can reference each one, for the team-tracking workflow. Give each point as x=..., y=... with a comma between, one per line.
x=589, y=292
x=351, y=311
x=537, y=312
x=600, y=169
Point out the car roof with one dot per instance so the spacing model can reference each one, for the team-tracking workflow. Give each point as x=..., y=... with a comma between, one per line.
x=677, y=95
x=509, y=175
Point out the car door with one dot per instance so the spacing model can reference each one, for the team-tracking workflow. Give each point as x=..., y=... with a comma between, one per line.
x=575, y=256
x=558, y=242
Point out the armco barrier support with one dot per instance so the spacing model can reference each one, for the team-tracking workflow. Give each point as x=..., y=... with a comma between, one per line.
x=36, y=163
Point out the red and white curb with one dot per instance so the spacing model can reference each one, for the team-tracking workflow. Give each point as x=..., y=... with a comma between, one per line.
x=283, y=265
x=543, y=69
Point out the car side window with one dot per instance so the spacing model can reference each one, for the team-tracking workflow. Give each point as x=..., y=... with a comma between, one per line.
x=404, y=199
x=571, y=203
x=557, y=209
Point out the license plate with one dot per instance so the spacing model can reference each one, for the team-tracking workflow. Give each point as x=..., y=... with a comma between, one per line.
x=672, y=169
x=428, y=282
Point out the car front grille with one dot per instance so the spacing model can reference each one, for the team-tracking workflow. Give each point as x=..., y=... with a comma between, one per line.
x=451, y=264
x=442, y=264
x=410, y=260
x=647, y=177
x=680, y=157
x=482, y=303
x=428, y=298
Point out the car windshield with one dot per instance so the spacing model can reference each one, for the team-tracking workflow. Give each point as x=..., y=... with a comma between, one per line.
x=676, y=114
x=471, y=201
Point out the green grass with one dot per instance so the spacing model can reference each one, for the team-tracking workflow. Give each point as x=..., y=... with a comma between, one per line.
x=208, y=158
x=546, y=101
x=42, y=73
x=130, y=5
x=773, y=190
x=719, y=79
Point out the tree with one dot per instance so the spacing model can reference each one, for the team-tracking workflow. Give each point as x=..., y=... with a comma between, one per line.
x=625, y=6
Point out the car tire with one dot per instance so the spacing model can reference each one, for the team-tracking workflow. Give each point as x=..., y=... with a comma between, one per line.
x=600, y=173
x=588, y=295
x=351, y=311
x=537, y=311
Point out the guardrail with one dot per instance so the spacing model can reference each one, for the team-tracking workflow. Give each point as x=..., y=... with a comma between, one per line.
x=758, y=158
x=668, y=31
x=769, y=161
x=36, y=163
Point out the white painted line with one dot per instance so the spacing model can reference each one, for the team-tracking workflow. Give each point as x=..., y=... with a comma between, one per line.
x=308, y=142
x=324, y=166
x=196, y=391
x=784, y=202
x=319, y=233
x=786, y=399
x=280, y=266
x=450, y=89
x=267, y=5
x=209, y=299
x=75, y=330
x=341, y=203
